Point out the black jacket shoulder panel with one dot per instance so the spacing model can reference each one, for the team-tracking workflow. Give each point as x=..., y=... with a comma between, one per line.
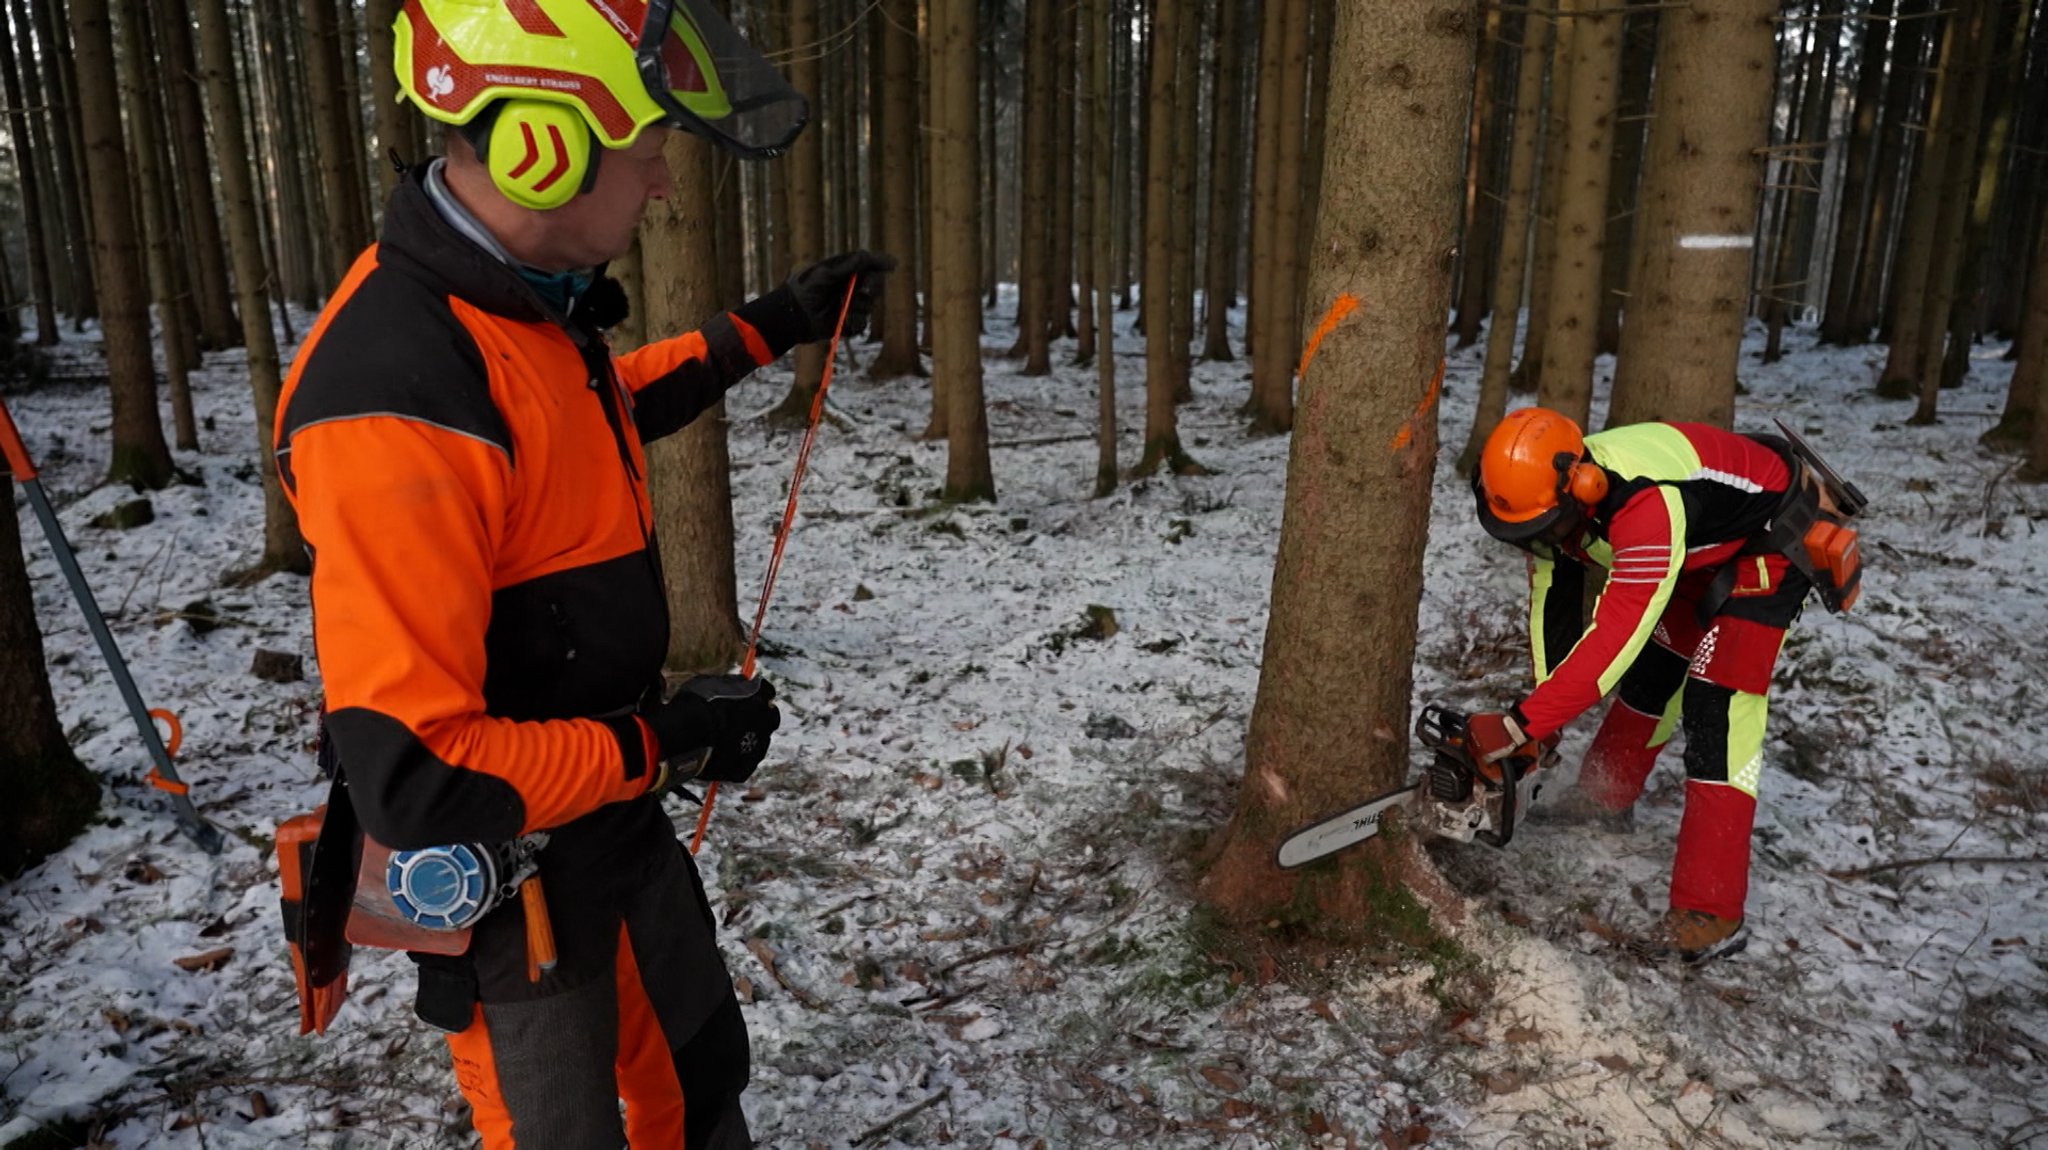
x=396, y=348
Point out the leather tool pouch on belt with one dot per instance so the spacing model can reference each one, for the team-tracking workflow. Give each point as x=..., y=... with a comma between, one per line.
x=316, y=861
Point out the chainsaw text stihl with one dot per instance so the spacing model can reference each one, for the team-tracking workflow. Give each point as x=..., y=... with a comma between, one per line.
x=1453, y=799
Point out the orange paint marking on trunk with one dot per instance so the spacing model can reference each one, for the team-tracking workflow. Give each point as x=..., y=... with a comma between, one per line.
x=1406, y=435
x=1345, y=305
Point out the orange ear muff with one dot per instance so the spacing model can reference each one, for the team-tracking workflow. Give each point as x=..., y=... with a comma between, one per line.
x=1586, y=483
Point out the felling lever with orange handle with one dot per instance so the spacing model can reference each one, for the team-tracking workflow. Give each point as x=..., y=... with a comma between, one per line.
x=796, y=483
x=162, y=775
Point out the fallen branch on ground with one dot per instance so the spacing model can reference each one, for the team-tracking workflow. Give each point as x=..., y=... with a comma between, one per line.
x=1936, y=860
x=912, y=1111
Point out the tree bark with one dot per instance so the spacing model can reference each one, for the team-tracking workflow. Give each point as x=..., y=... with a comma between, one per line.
x=1923, y=211
x=152, y=191
x=992, y=164
x=1162, y=434
x=1086, y=97
x=1837, y=324
x=139, y=453
x=956, y=251
x=1059, y=286
x=1226, y=179
x=2028, y=395
x=51, y=795
x=2003, y=57
x=184, y=339
x=1098, y=29
x=1187, y=109
x=284, y=549
x=394, y=131
x=1801, y=174
x=35, y=214
x=1891, y=169
x=689, y=474
x=1528, y=374
x=362, y=184
x=60, y=96
x=1696, y=223
x=1631, y=130
x=898, y=190
x=2015, y=244
x=297, y=199
x=326, y=86
x=1035, y=171
x=804, y=166
x=849, y=104
x=1347, y=586
x=218, y=327
x=1125, y=178
x=1273, y=362
x=1946, y=261
x=1568, y=352
x=1265, y=185
x=1475, y=235
x=1517, y=210
x=1324, y=15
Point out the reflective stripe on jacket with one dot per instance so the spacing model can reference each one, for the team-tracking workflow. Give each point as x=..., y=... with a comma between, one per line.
x=1682, y=497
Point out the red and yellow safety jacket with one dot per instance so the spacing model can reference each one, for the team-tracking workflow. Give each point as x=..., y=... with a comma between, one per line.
x=487, y=597
x=1683, y=501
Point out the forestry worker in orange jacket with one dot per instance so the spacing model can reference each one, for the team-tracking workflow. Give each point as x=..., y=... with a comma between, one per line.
x=465, y=455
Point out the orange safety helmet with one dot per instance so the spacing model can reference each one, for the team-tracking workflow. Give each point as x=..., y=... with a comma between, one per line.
x=1531, y=462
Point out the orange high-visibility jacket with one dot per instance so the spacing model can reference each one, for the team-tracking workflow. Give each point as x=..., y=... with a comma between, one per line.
x=487, y=596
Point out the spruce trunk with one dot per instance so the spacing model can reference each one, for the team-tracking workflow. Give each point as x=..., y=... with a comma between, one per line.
x=140, y=455
x=1695, y=234
x=217, y=323
x=689, y=474
x=956, y=252
x=1569, y=350
x=805, y=168
x=1331, y=721
x=35, y=215
x=1517, y=211
x=1226, y=178
x=283, y=547
x=50, y=795
x=1837, y=324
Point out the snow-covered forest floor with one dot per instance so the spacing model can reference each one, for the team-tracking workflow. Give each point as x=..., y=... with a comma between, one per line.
x=964, y=880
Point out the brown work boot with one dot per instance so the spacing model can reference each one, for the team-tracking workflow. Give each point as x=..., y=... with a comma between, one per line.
x=1693, y=937
x=1576, y=808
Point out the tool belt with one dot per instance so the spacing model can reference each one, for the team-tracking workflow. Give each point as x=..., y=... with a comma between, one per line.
x=343, y=889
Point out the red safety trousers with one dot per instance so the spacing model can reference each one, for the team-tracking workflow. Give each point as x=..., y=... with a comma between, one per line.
x=1718, y=674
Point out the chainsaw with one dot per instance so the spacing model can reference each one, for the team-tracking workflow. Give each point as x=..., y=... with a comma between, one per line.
x=1453, y=799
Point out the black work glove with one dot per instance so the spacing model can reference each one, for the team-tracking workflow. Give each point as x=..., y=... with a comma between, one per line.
x=820, y=289
x=716, y=728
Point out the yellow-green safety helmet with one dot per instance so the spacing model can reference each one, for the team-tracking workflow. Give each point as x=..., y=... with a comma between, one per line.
x=619, y=64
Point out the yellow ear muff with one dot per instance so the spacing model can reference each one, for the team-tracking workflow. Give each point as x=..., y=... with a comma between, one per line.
x=1587, y=483
x=539, y=153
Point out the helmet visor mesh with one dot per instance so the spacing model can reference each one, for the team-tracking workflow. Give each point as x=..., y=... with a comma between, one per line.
x=710, y=81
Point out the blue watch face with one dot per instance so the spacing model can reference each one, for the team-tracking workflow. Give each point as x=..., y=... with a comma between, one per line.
x=443, y=888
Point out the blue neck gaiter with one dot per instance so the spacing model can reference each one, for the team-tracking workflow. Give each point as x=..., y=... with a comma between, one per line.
x=561, y=290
